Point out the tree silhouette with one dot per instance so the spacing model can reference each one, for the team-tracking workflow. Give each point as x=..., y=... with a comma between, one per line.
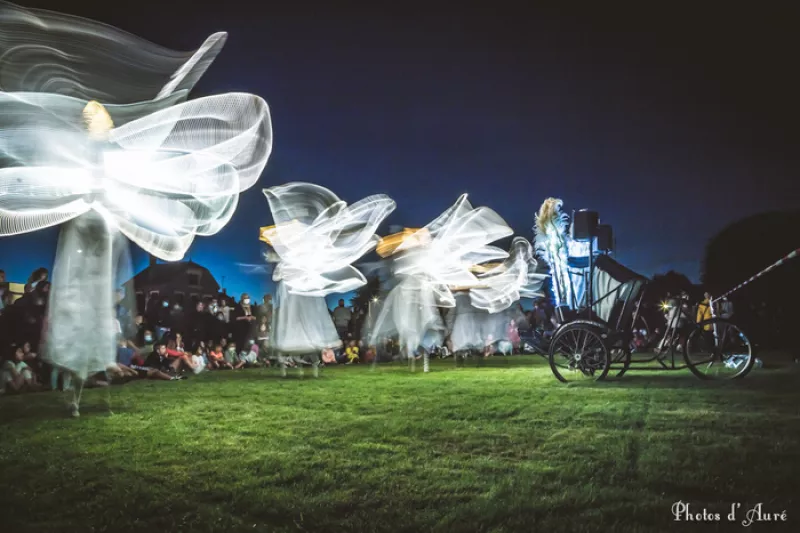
x=767, y=306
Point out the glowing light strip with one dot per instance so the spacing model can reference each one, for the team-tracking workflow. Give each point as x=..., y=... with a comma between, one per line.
x=773, y=266
x=317, y=237
x=162, y=178
x=45, y=51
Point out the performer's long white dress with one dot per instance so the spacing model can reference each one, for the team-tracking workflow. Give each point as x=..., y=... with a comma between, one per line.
x=428, y=263
x=303, y=324
x=482, y=315
x=316, y=237
x=410, y=312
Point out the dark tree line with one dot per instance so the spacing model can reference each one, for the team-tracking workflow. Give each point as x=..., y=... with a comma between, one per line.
x=767, y=308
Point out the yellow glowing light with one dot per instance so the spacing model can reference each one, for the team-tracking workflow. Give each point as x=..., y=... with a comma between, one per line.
x=98, y=121
x=665, y=306
x=267, y=234
x=409, y=238
x=487, y=267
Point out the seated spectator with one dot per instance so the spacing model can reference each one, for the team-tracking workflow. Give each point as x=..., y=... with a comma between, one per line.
x=154, y=365
x=178, y=358
x=16, y=376
x=351, y=352
x=216, y=359
x=328, y=357
x=35, y=363
x=179, y=343
x=158, y=358
x=488, y=349
x=199, y=359
x=248, y=359
x=369, y=355
x=230, y=354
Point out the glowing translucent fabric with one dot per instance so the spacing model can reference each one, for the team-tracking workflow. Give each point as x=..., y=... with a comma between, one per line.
x=316, y=238
x=430, y=261
x=513, y=279
x=551, y=243
x=481, y=316
x=160, y=178
x=95, y=133
x=44, y=51
x=471, y=328
x=91, y=263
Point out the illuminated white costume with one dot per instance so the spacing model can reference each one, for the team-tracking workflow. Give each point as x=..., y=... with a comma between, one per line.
x=428, y=262
x=316, y=238
x=482, y=314
x=159, y=171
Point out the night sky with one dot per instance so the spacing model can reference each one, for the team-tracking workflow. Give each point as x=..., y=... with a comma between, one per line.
x=672, y=124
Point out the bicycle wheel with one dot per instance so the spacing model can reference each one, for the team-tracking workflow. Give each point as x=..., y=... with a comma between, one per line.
x=577, y=353
x=718, y=349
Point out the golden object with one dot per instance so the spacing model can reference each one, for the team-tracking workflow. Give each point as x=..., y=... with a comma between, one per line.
x=487, y=267
x=409, y=238
x=98, y=121
x=266, y=233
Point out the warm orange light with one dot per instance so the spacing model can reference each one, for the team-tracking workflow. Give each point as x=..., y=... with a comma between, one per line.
x=409, y=238
x=266, y=233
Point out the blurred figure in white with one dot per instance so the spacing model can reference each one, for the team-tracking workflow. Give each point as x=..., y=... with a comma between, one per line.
x=315, y=240
x=427, y=263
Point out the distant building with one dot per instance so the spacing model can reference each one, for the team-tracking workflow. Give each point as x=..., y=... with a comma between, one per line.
x=185, y=283
x=15, y=289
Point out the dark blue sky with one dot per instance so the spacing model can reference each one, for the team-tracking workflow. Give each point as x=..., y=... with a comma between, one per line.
x=672, y=124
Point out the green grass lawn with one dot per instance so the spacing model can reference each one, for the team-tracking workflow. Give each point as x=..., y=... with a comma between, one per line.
x=502, y=447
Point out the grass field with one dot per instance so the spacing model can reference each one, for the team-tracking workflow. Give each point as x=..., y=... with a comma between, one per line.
x=503, y=447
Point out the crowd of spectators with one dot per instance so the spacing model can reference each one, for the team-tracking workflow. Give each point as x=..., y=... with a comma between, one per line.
x=168, y=342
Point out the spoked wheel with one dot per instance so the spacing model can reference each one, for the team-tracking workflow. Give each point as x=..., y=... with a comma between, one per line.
x=578, y=353
x=718, y=349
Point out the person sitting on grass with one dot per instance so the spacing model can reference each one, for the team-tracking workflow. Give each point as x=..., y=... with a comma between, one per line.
x=351, y=352
x=125, y=356
x=33, y=361
x=231, y=357
x=248, y=359
x=156, y=365
x=488, y=349
x=328, y=357
x=216, y=359
x=370, y=354
x=177, y=358
x=199, y=359
x=16, y=375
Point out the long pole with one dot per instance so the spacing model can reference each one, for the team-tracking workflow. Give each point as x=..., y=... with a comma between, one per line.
x=776, y=264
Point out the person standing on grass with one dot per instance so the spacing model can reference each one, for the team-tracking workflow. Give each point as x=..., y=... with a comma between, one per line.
x=341, y=319
x=244, y=321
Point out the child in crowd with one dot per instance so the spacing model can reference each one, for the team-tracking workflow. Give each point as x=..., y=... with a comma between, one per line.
x=177, y=358
x=369, y=355
x=216, y=359
x=248, y=359
x=199, y=359
x=351, y=352
x=328, y=357
x=16, y=375
x=230, y=354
